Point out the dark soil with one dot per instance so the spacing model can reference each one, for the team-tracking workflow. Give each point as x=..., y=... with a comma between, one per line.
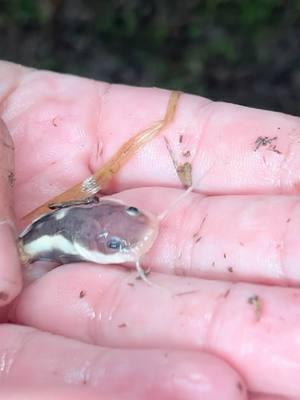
x=246, y=52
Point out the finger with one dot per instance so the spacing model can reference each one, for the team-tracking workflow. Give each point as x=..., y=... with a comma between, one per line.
x=36, y=359
x=268, y=397
x=10, y=273
x=236, y=238
x=47, y=393
x=252, y=238
x=69, y=136
x=249, y=325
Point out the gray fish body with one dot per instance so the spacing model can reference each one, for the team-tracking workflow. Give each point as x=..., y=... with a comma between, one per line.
x=105, y=232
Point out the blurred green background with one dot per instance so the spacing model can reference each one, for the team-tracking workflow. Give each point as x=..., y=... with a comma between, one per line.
x=246, y=52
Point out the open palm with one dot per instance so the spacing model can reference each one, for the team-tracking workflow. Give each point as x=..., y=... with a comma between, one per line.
x=225, y=324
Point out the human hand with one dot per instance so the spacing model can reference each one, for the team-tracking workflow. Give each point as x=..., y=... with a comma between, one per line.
x=65, y=127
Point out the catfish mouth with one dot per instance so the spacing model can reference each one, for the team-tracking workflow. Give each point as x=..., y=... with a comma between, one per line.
x=149, y=236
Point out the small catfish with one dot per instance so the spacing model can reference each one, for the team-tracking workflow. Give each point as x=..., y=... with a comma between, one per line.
x=104, y=231
x=99, y=231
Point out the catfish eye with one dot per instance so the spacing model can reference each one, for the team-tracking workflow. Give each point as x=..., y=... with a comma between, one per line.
x=114, y=243
x=133, y=211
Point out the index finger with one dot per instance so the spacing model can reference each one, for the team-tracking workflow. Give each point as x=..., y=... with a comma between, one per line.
x=70, y=126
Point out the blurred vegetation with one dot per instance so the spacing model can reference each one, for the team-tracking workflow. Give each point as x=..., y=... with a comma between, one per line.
x=245, y=51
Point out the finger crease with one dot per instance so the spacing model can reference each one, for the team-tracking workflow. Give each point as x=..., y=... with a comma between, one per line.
x=209, y=109
x=10, y=355
x=215, y=328
x=97, y=145
x=183, y=255
x=281, y=246
x=105, y=307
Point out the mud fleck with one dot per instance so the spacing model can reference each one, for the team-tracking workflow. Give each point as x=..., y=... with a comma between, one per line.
x=180, y=138
x=268, y=142
x=188, y=292
x=54, y=121
x=184, y=172
x=226, y=294
x=288, y=220
x=82, y=294
x=3, y=296
x=123, y=325
x=274, y=149
x=225, y=255
x=263, y=141
x=230, y=269
x=11, y=178
x=242, y=244
x=197, y=237
x=213, y=264
x=256, y=301
x=130, y=284
x=203, y=221
x=186, y=153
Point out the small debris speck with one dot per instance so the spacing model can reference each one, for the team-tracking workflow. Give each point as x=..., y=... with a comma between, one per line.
x=180, y=138
x=230, y=269
x=11, y=178
x=288, y=220
x=224, y=255
x=267, y=142
x=188, y=292
x=184, y=172
x=186, y=153
x=197, y=237
x=82, y=294
x=256, y=301
x=122, y=325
